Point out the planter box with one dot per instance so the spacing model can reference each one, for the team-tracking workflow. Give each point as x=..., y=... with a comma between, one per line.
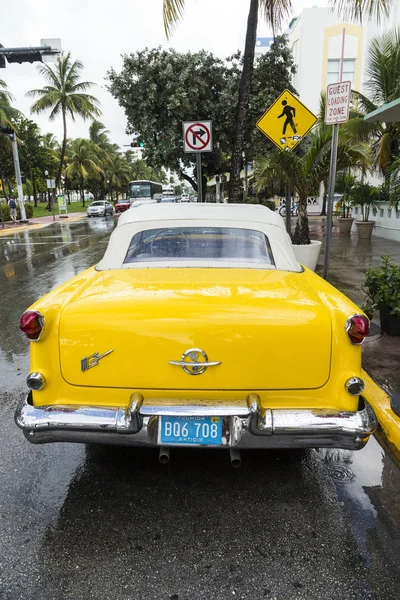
x=307, y=254
x=390, y=324
x=345, y=224
x=364, y=229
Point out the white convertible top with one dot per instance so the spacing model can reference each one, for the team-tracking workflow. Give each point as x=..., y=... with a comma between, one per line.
x=168, y=215
x=233, y=212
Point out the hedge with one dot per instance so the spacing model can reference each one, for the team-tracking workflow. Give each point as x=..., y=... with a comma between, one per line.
x=6, y=211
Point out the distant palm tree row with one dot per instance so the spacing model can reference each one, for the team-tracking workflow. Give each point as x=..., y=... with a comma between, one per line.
x=94, y=163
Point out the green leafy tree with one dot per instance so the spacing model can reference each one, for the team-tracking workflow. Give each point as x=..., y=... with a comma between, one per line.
x=35, y=156
x=345, y=183
x=274, y=12
x=64, y=95
x=82, y=163
x=305, y=172
x=174, y=87
x=117, y=174
x=383, y=86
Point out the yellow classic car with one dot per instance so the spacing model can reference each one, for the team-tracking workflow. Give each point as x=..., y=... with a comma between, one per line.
x=198, y=327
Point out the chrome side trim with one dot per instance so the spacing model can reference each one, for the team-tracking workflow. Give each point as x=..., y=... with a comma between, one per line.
x=137, y=425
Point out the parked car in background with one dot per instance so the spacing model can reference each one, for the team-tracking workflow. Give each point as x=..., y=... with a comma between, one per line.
x=182, y=336
x=100, y=208
x=185, y=198
x=122, y=205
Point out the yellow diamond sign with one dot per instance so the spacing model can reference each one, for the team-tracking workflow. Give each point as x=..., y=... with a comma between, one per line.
x=287, y=121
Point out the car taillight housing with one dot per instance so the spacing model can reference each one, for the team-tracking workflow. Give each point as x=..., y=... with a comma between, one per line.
x=357, y=327
x=32, y=323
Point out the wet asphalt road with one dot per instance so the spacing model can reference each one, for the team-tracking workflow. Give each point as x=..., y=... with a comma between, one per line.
x=82, y=522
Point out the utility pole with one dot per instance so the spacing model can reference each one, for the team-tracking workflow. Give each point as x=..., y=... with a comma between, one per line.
x=23, y=218
x=11, y=134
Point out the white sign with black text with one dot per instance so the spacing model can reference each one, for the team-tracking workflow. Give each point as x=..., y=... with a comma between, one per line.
x=337, y=102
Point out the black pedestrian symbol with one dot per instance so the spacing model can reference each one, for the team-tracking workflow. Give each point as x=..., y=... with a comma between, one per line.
x=289, y=112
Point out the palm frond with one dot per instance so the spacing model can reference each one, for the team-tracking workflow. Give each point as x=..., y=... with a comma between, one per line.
x=172, y=12
x=276, y=12
x=357, y=10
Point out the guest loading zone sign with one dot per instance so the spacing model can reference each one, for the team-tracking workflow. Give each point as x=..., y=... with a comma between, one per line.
x=337, y=102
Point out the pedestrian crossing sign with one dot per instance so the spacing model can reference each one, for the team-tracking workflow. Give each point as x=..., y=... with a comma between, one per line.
x=286, y=122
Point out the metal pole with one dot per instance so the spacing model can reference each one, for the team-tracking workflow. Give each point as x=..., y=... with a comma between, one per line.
x=288, y=205
x=331, y=191
x=1, y=214
x=199, y=181
x=332, y=177
x=218, y=188
x=23, y=218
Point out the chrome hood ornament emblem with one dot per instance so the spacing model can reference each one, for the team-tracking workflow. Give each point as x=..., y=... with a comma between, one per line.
x=194, y=362
x=93, y=360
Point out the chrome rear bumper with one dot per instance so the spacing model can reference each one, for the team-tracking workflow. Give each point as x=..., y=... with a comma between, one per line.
x=245, y=425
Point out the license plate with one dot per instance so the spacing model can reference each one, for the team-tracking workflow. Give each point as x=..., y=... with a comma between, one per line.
x=191, y=430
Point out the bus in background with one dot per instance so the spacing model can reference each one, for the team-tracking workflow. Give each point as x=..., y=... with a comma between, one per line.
x=168, y=191
x=145, y=190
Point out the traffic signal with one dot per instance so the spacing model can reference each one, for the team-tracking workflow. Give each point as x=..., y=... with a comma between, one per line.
x=137, y=144
x=23, y=57
x=6, y=130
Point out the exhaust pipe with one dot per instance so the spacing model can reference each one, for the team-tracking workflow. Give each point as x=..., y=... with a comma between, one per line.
x=164, y=455
x=234, y=455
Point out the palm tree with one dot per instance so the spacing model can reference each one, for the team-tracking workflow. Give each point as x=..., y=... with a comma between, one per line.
x=83, y=163
x=305, y=173
x=117, y=173
x=383, y=85
x=275, y=12
x=98, y=134
x=65, y=95
x=6, y=110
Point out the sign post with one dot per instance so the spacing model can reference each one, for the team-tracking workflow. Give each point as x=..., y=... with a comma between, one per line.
x=336, y=112
x=51, y=185
x=18, y=177
x=197, y=138
x=285, y=124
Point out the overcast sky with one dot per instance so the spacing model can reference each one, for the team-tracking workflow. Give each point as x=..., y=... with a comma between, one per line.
x=99, y=31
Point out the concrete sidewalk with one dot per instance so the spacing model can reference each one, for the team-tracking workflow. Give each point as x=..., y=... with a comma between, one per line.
x=37, y=222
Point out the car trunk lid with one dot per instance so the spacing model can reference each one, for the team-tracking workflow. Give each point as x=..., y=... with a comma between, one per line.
x=267, y=329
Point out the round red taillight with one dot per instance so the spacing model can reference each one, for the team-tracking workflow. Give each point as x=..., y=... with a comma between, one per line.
x=357, y=328
x=32, y=323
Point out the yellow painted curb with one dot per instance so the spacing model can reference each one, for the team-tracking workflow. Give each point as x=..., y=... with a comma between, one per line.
x=380, y=402
x=38, y=225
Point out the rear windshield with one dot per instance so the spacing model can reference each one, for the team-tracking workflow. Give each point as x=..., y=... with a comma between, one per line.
x=200, y=244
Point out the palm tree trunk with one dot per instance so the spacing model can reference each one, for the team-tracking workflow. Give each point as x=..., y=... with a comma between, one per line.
x=243, y=103
x=35, y=197
x=301, y=233
x=82, y=192
x=63, y=147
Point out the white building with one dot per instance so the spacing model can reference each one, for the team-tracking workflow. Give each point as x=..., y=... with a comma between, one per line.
x=315, y=37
